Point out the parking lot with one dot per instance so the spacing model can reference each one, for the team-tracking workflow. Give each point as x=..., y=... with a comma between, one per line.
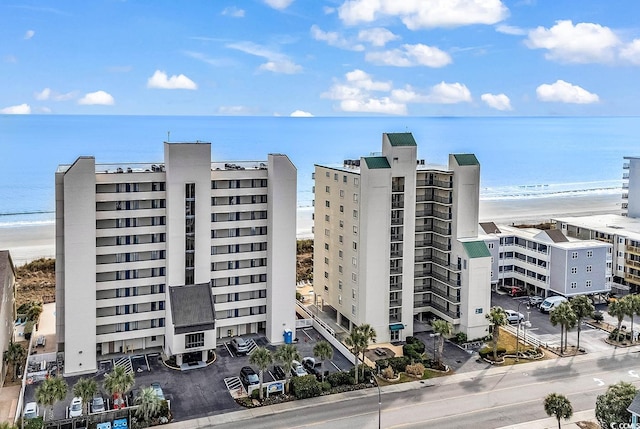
x=198, y=392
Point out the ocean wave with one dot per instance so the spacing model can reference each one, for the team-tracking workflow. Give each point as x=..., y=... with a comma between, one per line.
x=22, y=223
x=609, y=187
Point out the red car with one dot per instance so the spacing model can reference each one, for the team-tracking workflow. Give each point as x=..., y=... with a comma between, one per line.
x=517, y=291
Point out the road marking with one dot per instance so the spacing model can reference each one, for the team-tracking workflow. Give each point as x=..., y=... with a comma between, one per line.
x=600, y=382
x=632, y=373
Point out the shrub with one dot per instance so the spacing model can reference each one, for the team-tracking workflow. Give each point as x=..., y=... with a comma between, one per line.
x=460, y=338
x=326, y=386
x=415, y=369
x=598, y=316
x=624, y=335
x=398, y=363
x=412, y=340
x=28, y=329
x=488, y=351
x=35, y=423
x=368, y=374
x=340, y=379
x=388, y=373
x=411, y=352
x=305, y=387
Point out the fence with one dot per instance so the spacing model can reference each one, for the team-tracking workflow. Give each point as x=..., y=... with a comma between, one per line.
x=524, y=337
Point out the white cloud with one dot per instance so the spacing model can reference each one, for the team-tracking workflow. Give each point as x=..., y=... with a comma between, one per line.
x=449, y=93
x=359, y=94
x=416, y=14
x=20, y=109
x=161, y=81
x=301, y=114
x=580, y=43
x=234, y=110
x=43, y=95
x=98, y=97
x=511, y=30
x=410, y=56
x=334, y=38
x=631, y=52
x=328, y=10
x=279, y=4
x=276, y=62
x=497, y=101
x=233, y=12
x=29, y=34
x=564, y=92
x=377, y=36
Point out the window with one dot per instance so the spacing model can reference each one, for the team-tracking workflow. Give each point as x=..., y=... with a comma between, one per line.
x=326, y=246
x=340, y=269
x=326, y=261
x=355, y=246
x=335, y=176
x=574, y=285
x=327, y=203
x=341, y=209
x=478, y=310
x=588, y=284
x=354, y=277
x=490, y=247
x=327, y=189
x=355, y=198
x=588, y=268
x=327, y=174
x=341, y=223
x=356, y=181
x=194, y=340
x=354, y=262
x=355, y=214
x=340, y=239
x=589, y=253
x=574, y=270
x=353, y=293
x=355, y=229
x=326, y=232
x=574, y=255
x=340, y=284
x=340, y=299
x=326, y=275
x=344, y=179
x=341, y=193
x=340, y=254
x=353, y=309
x=326, y=218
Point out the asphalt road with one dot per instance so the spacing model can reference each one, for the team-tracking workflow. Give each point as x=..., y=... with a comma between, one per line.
x=482, y=400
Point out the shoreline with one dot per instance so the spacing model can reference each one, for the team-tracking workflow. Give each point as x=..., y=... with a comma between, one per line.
x=29, y=242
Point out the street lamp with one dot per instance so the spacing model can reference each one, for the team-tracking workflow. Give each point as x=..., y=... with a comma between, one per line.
x=518, y=330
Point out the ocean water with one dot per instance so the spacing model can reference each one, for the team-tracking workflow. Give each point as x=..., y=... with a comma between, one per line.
x=519, y=157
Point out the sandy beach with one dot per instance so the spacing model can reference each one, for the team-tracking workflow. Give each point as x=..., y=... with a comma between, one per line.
x=31, y=242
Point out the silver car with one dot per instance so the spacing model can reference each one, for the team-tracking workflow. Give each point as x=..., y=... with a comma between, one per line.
x=514, y=316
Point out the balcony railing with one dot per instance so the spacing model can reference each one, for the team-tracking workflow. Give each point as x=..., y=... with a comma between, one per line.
x=396, y=254
x=395, y=303
x=445, y=247
x=436, y=183
x=397, y=237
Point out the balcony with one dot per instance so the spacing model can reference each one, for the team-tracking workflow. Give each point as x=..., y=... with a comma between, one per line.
x=396, y=254
x=397, y=237
x=434, y=213
x=395, y=303
x=625, y=166
x=441, y=231
x=395, y=286
x=633, y=249
x=395, y=221
x=453, y=299
x=445, y=247
x=434, y=183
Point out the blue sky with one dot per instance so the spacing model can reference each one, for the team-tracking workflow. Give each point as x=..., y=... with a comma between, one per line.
x=321, y=57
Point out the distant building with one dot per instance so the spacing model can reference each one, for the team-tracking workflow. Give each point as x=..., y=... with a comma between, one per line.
x=631, y=187
x=397, y=239
x=8, y=306
x=172, y=256
x=546, y=262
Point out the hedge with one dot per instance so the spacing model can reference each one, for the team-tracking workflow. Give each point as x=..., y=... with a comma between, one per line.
x=306, y=387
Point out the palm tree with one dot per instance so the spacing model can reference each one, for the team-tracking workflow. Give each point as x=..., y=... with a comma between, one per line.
x=286, y=354
x=261, y=358
x=149, y=404
x=85, y=388
x=323, y=350
x=7, y=425
x=632, y=305
x=564, y=316
x=119, y=381
x=582, y=307
x=558, y=406
x=356, y=342
x=441, y=328
x=618, y=310
x=497, y=317
x=15, y=354
x=368, y=336
x=51, y=390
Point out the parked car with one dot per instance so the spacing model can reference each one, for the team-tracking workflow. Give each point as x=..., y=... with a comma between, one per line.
x=158, y=390
x=97, y=404
x=535, y=300
x=240, y=346
x=297, y=369
x=514, y=316
x=31, y=410
x=75, y=409
x=313, y=367
x=248, y=376
x=278, y=372
x=517, y=291
x=40, y=341
x=551, y=303
x=118, y=402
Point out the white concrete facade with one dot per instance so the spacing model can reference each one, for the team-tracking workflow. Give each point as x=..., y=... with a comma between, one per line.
x=545, y=263
x=7, y=306
x=389, y=237
x=127, y=234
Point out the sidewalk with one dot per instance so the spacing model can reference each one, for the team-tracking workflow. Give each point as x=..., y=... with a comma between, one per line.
x=552, y=423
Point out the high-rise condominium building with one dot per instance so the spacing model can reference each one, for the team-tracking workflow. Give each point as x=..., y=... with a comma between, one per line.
x=172, y=256
x=397, y=239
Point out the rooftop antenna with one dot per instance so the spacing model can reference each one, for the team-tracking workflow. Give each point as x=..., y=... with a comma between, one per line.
x=168, y=136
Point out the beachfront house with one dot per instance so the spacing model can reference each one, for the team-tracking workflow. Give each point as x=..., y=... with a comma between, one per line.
x=396, y=239
x=546, y=262
x=172, y=256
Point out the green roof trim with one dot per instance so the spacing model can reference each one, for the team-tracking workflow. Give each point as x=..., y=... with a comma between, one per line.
x=401, y=139
x=476, y=249
x=466, y=159
x=374, y=162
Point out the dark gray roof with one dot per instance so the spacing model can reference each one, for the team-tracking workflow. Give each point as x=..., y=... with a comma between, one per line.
x=556, y=235
x=490, y=228
x=634, y=407
x=192, y=308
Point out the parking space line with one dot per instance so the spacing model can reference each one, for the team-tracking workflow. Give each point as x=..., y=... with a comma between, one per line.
x=226, y=346
x=305, y=332
x=335, y=366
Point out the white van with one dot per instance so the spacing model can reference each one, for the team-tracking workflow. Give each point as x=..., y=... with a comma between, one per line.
x=551, y=303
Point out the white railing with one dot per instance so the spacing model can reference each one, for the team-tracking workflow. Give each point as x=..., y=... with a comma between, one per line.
x=525, y=337
x=304, y=323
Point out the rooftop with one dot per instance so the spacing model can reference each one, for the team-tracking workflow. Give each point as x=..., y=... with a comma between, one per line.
x=607, y=223
x=476, y=249
x=466, y=159
x=401, y=139
x=192, y=307
x=375, y=162
x=555, y=237
x=147, y=167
